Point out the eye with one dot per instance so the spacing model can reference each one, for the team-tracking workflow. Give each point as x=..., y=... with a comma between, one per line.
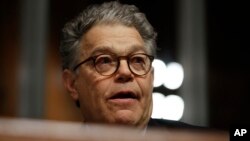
x=105, y=64
x=103, y=59
x=138, y=59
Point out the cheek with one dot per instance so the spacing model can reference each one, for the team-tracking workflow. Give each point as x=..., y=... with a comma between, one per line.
x=148, y=82
x=92, y=93
x=85, y=85
x=93, y=86
x=146, y=86
x=87, y=79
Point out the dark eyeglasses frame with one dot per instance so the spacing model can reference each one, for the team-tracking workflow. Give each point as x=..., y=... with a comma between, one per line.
x=93, y=58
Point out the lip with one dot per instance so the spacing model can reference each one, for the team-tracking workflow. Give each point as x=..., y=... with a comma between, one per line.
x=124, y=97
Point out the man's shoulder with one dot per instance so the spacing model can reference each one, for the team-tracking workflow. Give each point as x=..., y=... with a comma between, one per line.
x=162, y=123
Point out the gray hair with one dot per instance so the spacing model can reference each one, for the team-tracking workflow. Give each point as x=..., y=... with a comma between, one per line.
x=106, y=13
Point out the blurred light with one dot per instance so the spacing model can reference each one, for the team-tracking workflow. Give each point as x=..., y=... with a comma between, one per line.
x=174, y=76
x=159, y=72
x=170, y=107
x=174, y=107
x=158, y=104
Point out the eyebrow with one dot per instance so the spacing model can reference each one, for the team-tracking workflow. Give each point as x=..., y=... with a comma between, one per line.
x=110, y=49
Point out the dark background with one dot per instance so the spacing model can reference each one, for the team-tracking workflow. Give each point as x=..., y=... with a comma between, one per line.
x=227, y=42
x=228, y=62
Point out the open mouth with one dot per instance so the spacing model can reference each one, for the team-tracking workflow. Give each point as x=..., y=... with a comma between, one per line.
x=124, y=95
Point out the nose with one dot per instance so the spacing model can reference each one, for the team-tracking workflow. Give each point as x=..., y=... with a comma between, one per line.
x=123, y=73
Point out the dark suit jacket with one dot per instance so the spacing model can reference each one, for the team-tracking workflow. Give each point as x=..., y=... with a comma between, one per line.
x=156, y=123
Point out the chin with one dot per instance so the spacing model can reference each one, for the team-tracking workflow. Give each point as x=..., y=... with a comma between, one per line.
x=127, y=118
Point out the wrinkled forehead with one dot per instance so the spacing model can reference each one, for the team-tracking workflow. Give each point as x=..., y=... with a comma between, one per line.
x=116, y=39
x=118, y=51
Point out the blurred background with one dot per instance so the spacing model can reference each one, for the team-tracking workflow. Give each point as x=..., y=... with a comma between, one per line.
x=203, y=60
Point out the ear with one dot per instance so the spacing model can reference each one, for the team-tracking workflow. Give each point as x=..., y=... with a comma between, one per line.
x=69, y=83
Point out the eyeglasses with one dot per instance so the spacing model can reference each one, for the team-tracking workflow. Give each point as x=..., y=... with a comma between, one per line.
x=107, y=64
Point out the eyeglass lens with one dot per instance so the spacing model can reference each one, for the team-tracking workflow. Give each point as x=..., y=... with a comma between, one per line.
x=139, y=64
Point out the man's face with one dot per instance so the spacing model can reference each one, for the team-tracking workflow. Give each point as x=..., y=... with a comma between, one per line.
x=122, y=98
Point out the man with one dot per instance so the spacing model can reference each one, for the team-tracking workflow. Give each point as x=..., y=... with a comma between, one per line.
x=107, y=53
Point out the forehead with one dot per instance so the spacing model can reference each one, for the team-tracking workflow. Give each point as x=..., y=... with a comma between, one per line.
x=115, y=38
